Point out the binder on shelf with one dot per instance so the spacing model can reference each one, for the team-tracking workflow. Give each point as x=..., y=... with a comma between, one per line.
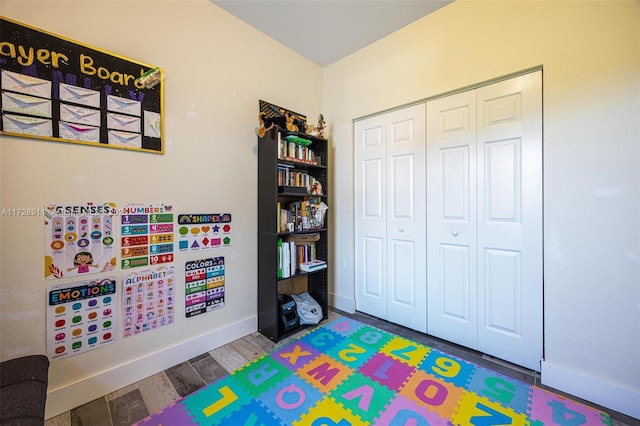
x=314, y=265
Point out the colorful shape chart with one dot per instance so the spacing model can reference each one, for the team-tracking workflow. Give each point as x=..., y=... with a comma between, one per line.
x=204, y=286
x=204, y=231
x=148, y=300
x=78, y=240
x=146, y=234
x=81, y=317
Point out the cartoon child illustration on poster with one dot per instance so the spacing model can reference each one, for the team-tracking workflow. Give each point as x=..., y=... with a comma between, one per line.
x=81, y=262
x=78, y=240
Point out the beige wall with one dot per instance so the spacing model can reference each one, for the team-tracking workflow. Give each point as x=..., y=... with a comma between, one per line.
x=590, y=54
x=217, y=68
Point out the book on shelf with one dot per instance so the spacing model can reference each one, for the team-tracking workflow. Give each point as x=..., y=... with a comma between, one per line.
x=313, y=265
x=292, y=254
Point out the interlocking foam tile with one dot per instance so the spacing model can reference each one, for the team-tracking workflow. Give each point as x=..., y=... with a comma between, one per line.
x=324, y=373
x=386, y=371
x=290, y=400
x=216, y=401
x=432, y=393
x=502, y=389
x=261, y=376
x=404, y=350
x=294, y=355
x=476, y=410
x=553, y=409
x=344, y=326
x=351, y=354
x=251, y=414
x=363, y=396
x=174, y=414
x=371, y=337
x=322, y=339
x=328, y=412
x=448, y=368
x=402, y=411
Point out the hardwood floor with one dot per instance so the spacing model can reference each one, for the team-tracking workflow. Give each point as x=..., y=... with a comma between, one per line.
x=136, y=401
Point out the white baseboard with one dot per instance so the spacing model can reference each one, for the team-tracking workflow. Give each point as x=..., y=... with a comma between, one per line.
x=606, y=394
x=73, y=395
x=343, y=303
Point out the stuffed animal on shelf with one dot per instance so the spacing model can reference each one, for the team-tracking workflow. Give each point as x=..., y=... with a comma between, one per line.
x=320, y=127
x=290, y=125
x=263, y=130
x=315, y=188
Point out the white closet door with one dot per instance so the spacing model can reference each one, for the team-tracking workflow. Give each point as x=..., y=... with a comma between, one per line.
x=406, y=218
x=371, y=216
x=451, y=218
x=484, y=219
x=390, y=216
x=510, y=220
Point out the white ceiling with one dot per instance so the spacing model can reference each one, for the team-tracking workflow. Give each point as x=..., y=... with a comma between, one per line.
x=326, y=31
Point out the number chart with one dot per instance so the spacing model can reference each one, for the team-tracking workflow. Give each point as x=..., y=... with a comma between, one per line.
x=148, y=300
x=78, y=240
x=146, y=234
x=204, y=286
x=81, y=317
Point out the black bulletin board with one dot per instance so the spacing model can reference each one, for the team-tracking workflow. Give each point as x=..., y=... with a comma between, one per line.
x=54, y=88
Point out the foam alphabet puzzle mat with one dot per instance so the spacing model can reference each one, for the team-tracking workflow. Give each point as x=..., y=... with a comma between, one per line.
x=347, y=373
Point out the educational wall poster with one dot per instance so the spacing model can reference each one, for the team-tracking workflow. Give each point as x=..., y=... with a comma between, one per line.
x=78, y=239
x=148, y=300
x=56, y=89
x=146, y=232
x=81, y=316
x=204, y=231
x=204, y=286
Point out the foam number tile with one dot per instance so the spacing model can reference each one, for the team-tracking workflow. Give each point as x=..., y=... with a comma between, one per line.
x=479, y=411
x=432, y=393
x=371, y=337
x=344, y=326
x=350, y=353
x=405, y=350
x=448, y=368
x=501, y=389
x=550, y=409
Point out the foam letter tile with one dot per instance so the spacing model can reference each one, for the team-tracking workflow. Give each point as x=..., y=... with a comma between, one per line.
x=290, y=400
x=327, y=412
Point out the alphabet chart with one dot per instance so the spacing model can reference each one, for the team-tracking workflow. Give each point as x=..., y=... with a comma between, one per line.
x=148, y=300
x=81, y=316
x=146, y=233
x=78, y=239
x=204, y=286
x=204, y=231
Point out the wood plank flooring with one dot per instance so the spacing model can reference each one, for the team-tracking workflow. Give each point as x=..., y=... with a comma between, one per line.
x=136, y=401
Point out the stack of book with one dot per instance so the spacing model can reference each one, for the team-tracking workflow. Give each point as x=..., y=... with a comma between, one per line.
x=297, y=255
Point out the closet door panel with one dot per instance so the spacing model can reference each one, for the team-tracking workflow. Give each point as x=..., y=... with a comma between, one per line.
x=406, y=217
x=371, y=216
x=451, y=218
x=510, y=220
